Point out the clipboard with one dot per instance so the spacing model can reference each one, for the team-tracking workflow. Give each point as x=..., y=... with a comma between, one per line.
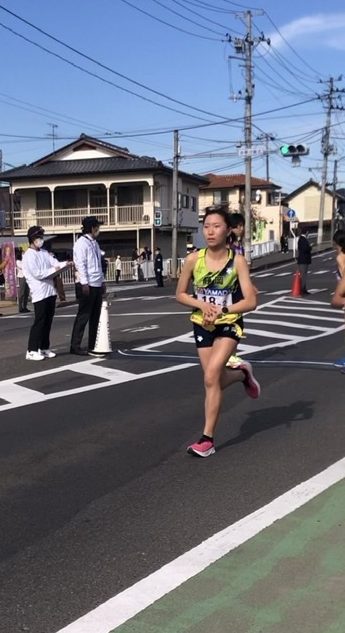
x=63, y=267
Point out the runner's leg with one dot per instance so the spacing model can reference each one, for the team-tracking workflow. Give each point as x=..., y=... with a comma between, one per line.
x=217, y=378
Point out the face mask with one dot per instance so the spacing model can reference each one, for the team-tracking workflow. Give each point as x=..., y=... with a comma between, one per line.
x=38, y=242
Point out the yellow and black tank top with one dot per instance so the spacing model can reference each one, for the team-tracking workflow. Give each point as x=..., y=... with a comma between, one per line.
x=220, y=288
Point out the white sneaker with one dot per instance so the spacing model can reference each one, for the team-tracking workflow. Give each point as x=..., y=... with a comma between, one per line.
x=47, y=353
x=34, y=356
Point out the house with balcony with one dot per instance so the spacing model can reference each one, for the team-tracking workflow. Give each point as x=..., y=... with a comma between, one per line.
x=265, y=203
x=131, y=194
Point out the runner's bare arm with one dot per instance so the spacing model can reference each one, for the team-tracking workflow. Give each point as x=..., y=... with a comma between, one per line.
x=182, y=295
x=338, y=299
x=249, y=301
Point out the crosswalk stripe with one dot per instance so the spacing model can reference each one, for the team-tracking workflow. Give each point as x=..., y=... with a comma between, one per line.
x=264, y=275
x=270, y=334
x=296, y=326
x=304, y=316
x=283, y=274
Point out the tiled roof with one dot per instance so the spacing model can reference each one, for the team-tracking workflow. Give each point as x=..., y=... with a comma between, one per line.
x=235, y=180
x=84, y=166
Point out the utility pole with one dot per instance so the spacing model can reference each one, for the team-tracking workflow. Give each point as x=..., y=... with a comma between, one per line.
x=335, y=169
x=53, y=126
x=267, y=138
x=174, y=207
x=244, y=47
x=326, y=147
x=248, y=140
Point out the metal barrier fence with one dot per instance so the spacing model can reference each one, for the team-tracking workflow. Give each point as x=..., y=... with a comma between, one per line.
x=130, y=271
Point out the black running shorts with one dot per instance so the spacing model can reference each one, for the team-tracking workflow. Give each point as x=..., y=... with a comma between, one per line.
x=206, y=338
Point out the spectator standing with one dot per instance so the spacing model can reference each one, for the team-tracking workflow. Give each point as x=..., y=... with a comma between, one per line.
x=90, y=286
x=118, y=268
x=303, y=260
x=158, y=266
x=23, y=292
x=39, y=269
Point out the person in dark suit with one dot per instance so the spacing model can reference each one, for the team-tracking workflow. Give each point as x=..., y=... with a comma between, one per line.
x=303, y=260
x=158, y=266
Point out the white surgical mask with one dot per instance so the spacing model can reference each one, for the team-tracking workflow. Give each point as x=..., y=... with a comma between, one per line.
x=38, y=242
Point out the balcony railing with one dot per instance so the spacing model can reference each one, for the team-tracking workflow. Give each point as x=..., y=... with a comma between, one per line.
x=60, y=220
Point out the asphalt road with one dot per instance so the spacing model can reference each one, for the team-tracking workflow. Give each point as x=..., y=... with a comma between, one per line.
x=96, y=489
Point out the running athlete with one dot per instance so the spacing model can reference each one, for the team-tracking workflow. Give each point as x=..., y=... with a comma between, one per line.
x=339, y=243
x=222, y=292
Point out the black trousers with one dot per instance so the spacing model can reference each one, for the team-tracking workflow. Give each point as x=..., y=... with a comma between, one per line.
x=88, y=312
x=23, y=294
x=40, y=330
x=159, y=278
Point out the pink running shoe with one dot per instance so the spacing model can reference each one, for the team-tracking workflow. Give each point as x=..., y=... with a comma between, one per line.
x=202, y=448
x=250, y=384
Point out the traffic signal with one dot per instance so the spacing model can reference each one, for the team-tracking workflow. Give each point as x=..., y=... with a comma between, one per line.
x=157, y=220
x=290, y=151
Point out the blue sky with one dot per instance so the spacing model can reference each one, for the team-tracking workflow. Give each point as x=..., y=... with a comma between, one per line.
x=38, y=90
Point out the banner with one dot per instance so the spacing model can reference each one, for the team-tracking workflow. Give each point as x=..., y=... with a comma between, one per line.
x=9, y=272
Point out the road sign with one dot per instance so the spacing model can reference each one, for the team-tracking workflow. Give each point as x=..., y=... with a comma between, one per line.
x=251, y=151
x=293, y=225
x=291, y=213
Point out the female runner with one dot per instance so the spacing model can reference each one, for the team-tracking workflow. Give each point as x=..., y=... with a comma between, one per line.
x=222, y=293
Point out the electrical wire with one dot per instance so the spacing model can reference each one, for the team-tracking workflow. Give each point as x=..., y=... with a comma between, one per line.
x=95, y=75
x=208, y=19
x=104, y=66
x=202, y=26
x=177, y=28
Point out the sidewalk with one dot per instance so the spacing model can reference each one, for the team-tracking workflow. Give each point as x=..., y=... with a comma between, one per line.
x=287, y=579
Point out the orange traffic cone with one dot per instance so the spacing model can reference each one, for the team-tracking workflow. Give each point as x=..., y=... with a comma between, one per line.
x=296, y=289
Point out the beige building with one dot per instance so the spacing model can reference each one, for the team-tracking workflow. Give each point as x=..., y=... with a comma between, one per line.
x=266, y=216
x=305, y=201
x=130, y=194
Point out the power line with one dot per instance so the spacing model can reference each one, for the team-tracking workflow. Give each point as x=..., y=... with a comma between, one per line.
x=202, y=26
x=207, y=19
x=95, y=75
x=104, y=66
x=177, y=28
x=290, y=46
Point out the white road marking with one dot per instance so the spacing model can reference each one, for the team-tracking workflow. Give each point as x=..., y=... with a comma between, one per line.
x=291, y=324
x=279, y=292
x=319, y=272
x=143, y=328
x=270, y=334
x=19, y=395
x=303, y=316
x=261, y=275
x=283, y=274
x=125, y=605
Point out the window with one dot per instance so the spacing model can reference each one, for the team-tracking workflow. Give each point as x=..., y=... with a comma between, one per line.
x=193, y=204
x=185, y=201
x=272, y=197
x=221, y=196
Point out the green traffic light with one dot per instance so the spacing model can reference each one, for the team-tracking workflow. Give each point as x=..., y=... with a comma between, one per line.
x=284, y=150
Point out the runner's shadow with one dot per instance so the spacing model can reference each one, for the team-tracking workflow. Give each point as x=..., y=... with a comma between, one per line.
x=264, y=419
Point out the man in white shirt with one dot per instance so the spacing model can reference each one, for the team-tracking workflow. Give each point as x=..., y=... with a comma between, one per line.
x=90, y=286
x=39, y=268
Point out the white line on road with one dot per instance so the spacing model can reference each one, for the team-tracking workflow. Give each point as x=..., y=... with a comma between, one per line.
x=125, y=605
x=23, y=396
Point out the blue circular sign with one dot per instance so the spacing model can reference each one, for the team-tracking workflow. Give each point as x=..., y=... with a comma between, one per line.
x=291, y=213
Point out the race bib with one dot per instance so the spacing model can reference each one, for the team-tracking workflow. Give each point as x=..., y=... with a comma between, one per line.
x=218, y=297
